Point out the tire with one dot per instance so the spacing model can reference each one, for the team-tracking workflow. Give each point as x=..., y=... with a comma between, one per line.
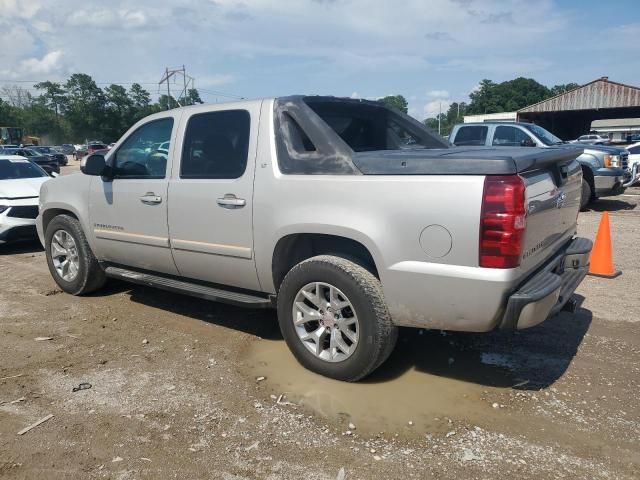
x=376, y=334
x=89, y=276
x=586, y=196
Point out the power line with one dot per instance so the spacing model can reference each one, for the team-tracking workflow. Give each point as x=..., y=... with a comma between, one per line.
x=5, y=80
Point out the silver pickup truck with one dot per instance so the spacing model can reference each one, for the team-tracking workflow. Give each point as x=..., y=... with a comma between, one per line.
x=605, y=169
x=350, y=218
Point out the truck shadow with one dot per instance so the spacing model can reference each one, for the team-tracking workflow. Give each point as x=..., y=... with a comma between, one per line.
x=610, y=205
x=27, y=246
x=261, y=323
x=529, y=360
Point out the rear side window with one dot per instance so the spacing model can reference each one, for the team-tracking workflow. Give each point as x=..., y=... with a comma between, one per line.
x=509, y=137
x=472, y=135
x=216, y=145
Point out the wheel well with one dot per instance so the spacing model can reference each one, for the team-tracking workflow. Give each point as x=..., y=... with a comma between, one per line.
x=50, y=214
x=587, y=174
x=293, y=249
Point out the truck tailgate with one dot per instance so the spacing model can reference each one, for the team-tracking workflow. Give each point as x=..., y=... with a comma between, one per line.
x=552, y=202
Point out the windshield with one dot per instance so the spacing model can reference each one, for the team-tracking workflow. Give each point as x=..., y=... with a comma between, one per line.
x=19, y=168
x=545, y=137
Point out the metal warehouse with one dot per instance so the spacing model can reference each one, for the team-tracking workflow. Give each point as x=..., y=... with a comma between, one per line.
x=617, y=129
x=571, y=114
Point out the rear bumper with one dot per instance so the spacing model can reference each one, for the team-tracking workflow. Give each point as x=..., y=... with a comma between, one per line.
x=547, y=292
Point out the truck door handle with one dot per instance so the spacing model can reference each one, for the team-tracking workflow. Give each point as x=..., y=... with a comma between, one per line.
x=151, y=198
x=231, y=201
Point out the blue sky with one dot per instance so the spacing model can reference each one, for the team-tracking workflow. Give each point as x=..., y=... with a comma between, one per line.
x=430, y=51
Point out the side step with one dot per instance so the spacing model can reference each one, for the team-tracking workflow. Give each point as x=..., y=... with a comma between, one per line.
x=188, y=288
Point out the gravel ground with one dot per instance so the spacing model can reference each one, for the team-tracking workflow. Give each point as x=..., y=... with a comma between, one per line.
x=177, y=388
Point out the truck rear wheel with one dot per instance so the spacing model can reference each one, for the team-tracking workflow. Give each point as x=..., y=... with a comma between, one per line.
x=69, y=257
x=333, y=316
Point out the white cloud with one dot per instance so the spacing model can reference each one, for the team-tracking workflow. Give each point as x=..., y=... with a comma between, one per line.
x=47, y=64
x=19, y=8
x=108, y=18
x=438, y=94
x=434, y=107
x=354, y=95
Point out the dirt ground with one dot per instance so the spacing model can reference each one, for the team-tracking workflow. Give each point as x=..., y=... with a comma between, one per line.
x=176, y=388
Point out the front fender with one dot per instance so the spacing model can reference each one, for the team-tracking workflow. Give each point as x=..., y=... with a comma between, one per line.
x=65, y=195
x=590, y=161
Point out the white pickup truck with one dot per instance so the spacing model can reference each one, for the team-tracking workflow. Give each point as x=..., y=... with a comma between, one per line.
x=350, y=218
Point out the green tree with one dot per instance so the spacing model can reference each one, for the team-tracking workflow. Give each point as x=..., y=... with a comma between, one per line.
x=193, y=97
x=396, y=101
x=507, y=96
x=563, y=88
x=167, y=103
x=53, y=95
x=118, y=111
x=9, y=115
x=141, y=101
x=54, y=98
x=85, y=107
x=455, y=113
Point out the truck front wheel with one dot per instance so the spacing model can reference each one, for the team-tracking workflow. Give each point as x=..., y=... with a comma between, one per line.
x=333, y=316
x=69, y=257
x=587, y=194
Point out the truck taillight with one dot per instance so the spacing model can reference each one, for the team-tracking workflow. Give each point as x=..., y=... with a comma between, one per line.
x=502, y=222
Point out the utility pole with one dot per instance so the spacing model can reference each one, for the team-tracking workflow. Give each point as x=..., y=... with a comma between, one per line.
x=187, y=81
x=439, y=117
x=168, y=89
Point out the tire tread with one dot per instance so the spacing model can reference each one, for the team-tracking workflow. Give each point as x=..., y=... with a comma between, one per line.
x=386, y=332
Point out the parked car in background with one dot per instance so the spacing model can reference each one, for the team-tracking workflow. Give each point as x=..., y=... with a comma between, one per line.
x=592, y=139
x=67, y=149
x=633, y=138
x=81, y=151
x=111, y=145
x=94, y=147
x=47, y=163
x=350, y=217
x=20, y=182
x=50, y=151
x=605, y=169
x=634, y=162
x=83, y=161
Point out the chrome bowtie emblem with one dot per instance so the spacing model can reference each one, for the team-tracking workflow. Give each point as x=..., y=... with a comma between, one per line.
x=560, y=200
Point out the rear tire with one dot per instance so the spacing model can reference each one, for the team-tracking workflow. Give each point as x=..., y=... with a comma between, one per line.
x=372, y=335
x=70, y=260
x=587, y=194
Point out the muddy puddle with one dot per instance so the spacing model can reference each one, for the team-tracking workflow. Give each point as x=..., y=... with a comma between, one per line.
x=430, y=379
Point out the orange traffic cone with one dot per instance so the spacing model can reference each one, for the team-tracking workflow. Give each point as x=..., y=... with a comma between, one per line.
x=601, y=261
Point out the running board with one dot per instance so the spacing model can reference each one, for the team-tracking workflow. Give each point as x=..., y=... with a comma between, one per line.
x=188, y=288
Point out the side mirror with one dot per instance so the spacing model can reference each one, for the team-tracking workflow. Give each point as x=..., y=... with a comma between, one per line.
x=96, y=165
x=527, y=142
x=54, y=174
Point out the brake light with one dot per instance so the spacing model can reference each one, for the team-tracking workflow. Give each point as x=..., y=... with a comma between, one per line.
x=502, y=222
